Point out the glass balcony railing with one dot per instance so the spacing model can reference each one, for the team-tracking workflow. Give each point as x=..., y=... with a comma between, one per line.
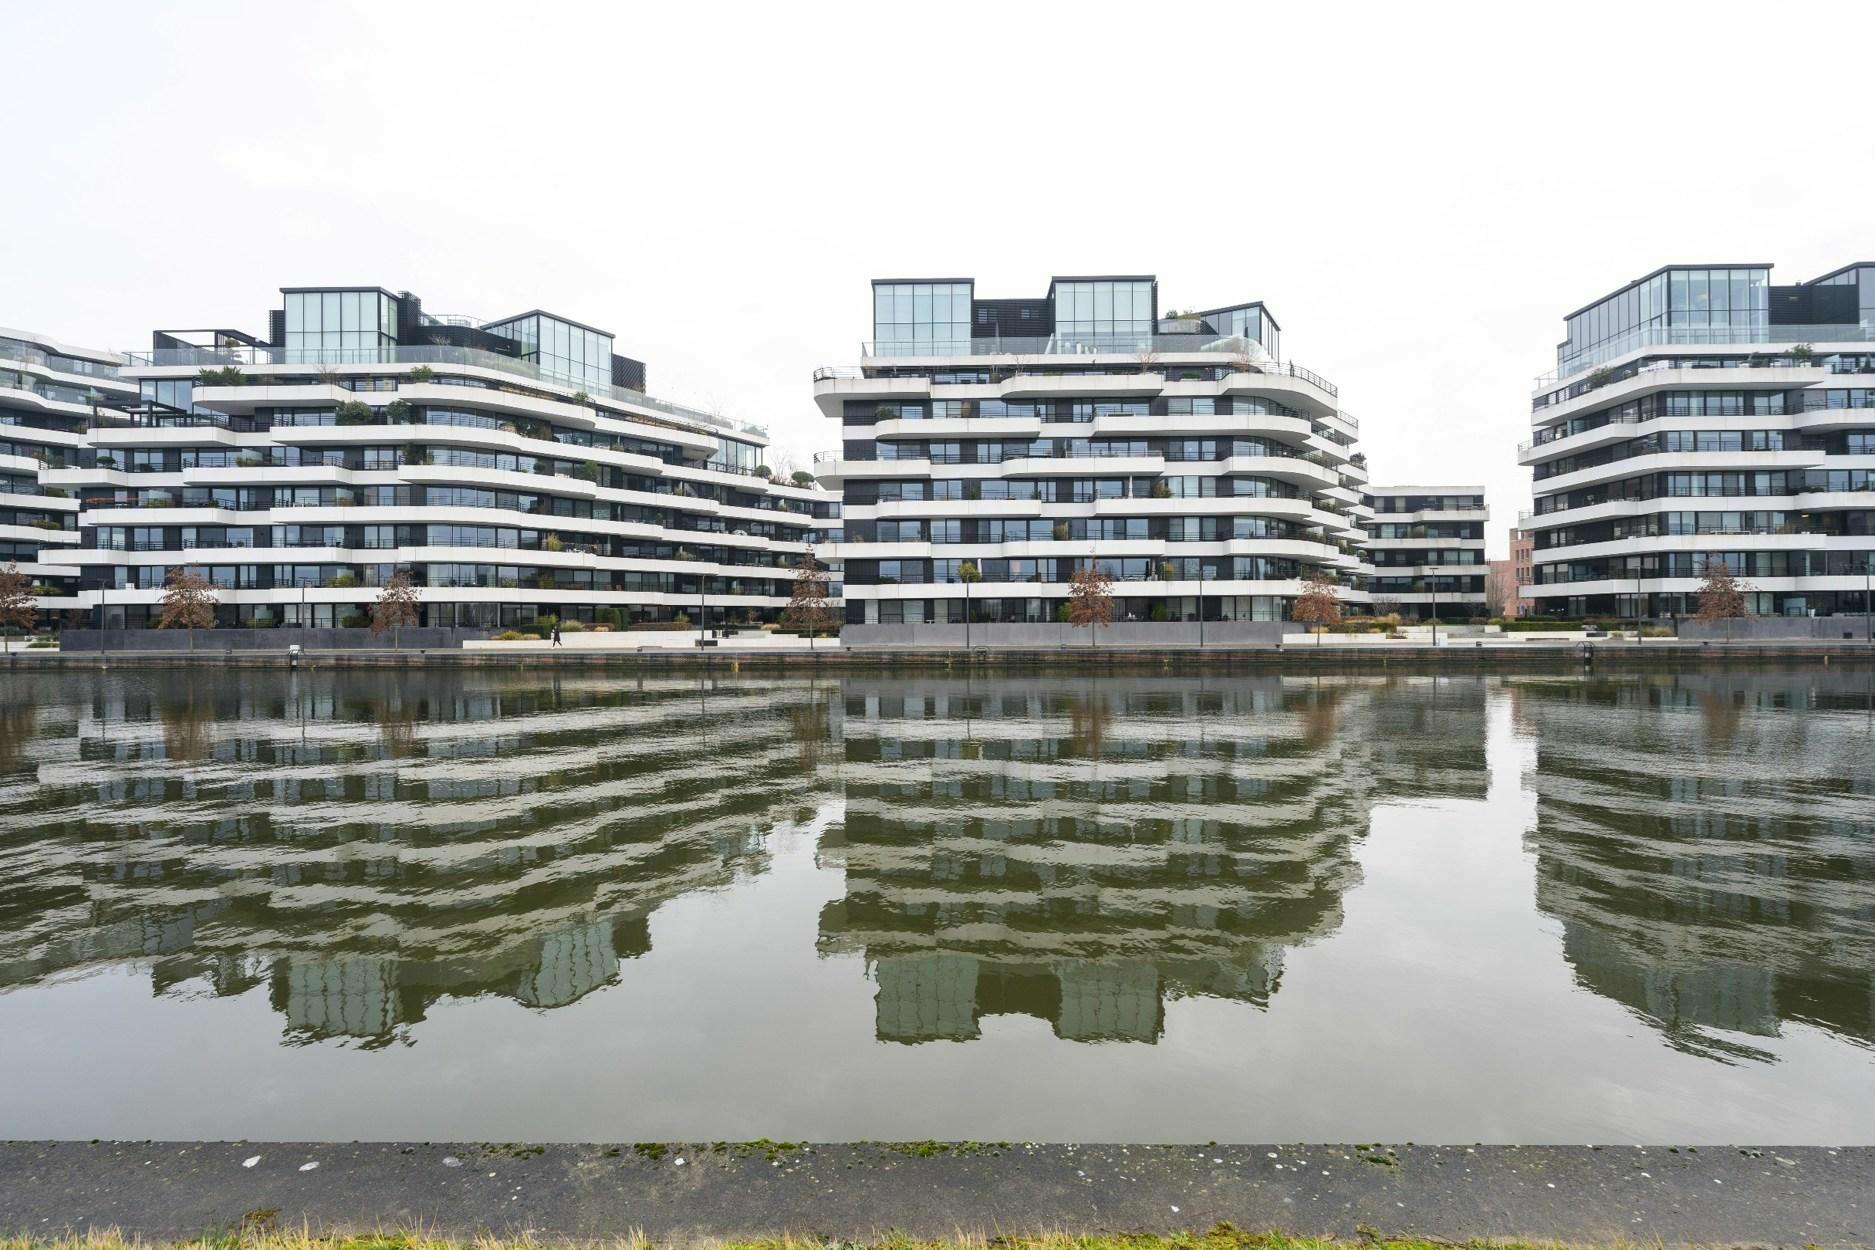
x=1703, y=336
x=1143, y=347
x=279, y=357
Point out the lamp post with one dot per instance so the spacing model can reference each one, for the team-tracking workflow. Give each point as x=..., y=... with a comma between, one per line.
x=1202, y=571
x=1639, y=611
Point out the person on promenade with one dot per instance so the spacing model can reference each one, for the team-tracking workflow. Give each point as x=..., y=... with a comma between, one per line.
x=556, y=633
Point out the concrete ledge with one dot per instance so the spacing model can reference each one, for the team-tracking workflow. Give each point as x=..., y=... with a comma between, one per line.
x=1326, y=657
x=1714, y=1195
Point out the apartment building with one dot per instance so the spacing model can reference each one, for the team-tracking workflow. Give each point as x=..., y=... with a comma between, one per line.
x=48, y=393
x=1017, y=440
x=513, y=468
x=1706, y=417
x=1425, y=548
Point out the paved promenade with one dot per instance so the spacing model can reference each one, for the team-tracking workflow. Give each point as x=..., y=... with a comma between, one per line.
x=1710, y=1196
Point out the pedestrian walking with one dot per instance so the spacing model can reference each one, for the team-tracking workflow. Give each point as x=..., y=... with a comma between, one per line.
x=556, y=633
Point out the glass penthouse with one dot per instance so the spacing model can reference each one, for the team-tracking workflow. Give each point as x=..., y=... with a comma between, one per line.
x=514, y=468
x=1704, y=416
x=1029, y=437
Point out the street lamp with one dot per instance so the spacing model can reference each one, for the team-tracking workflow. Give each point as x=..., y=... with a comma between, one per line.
x=1868, y=617
x=1203, y=574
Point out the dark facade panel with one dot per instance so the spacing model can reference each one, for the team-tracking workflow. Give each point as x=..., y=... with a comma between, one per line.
x=1812, y=305
x=1011, y=318
x=628, y=373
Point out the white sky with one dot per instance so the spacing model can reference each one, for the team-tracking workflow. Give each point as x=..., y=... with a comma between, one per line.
x=1419, y=192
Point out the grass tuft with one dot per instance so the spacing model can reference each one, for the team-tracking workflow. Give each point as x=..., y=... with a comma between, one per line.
x=258, y=1232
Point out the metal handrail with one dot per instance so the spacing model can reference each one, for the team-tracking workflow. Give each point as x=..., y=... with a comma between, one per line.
x=276, y=357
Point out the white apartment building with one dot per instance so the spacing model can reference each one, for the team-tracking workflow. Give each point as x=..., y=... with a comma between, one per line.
x=513, y=469
x=48, y=393
x=1703, y=417
x=1425, y=551
x=1025, y=438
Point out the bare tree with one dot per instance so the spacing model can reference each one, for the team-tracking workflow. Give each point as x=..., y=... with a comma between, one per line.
x=1721, y=595
x=1090, y=600
x=782, y=464
x=395, y=608
x=807, y=607
x=19, y=609
x=188, y=602
x=1317, y=604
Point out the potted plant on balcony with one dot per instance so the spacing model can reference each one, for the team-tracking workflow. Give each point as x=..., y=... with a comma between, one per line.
x=422, y=373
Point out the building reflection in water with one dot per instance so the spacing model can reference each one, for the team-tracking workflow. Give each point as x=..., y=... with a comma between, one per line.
x=1708, y=842
x=1082, y=850
x=366, y=845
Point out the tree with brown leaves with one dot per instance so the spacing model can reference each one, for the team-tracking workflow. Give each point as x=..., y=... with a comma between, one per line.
x=188, y=602
x=19, y=608
x=1090, y=600
x=1317, y=604
x=807, y=607
x=396, y=607
x=1721, y=595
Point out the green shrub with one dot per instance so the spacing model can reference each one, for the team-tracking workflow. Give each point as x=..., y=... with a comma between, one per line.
x=422, y=373
x=574, y=626
x=42, y=642
x=512, y=635
x=354, y=620
x=353, y=412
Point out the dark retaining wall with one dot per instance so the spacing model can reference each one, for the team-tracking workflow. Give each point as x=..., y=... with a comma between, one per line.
x=166, y=641
x=1118, y=634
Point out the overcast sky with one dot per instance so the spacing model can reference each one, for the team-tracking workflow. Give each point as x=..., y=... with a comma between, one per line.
x=1418, y=192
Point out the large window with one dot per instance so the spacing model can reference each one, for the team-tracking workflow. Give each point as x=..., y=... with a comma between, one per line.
x=570, y=353
x=320, y=323
x=1250, y=322
x=1103, y=310
x=1675, y=306
x=920, y=318
x=735, y=456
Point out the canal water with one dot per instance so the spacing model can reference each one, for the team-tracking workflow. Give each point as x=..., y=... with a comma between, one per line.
x=505, y=906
